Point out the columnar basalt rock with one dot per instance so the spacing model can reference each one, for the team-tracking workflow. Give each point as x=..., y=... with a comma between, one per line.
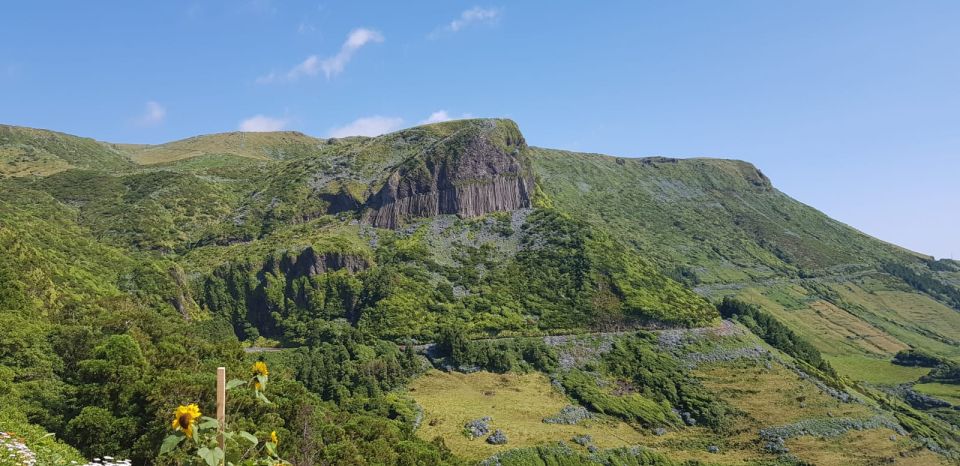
x=480, y=169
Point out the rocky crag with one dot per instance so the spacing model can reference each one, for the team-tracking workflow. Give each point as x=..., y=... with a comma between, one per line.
x=475, y=171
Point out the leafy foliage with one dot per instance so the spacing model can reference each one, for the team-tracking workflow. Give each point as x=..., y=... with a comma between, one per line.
x=775, y=333
x=925, y=283
x=657, y=375
x=632, y=407
x=494, y=356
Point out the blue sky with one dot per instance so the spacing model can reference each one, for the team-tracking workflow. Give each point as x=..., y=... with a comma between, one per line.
x=850, y=106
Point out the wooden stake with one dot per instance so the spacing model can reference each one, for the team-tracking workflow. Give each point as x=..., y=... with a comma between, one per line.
x=222, y=406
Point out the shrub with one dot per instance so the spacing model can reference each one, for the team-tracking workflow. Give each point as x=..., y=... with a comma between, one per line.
x=477, y=427
x=631, y=407
x=570, y=415
x=497, y=438
x=775, y=333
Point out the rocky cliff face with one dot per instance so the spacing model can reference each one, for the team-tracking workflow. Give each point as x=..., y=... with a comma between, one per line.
x=310, y=263
x=479, y=169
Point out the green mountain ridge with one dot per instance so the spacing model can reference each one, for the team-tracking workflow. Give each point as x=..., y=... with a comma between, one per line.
x=193, y=248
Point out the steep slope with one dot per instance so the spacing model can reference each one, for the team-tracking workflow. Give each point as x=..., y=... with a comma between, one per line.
x=479, y=169
x=722, y=228
x=719, y=221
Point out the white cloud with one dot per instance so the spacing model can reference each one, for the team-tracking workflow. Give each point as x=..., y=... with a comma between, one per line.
x=467, y=17
x=357, y=38
x=330, y=66
x=436, y=117
x=368, y=126
x=441, y=115
x=153, y=115
x=262, y=123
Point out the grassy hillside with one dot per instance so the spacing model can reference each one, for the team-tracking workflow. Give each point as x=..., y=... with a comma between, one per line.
x=165, y=261
x=715, y=221
x=38, y=152
x=261, y=146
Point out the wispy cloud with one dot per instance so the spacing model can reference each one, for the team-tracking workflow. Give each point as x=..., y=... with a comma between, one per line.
x=259, y=7
x=475, y=15
x=330, y=66
x=440, y=116
x=357, y=39
x=153, y=115
x=377, y=125
x=306, y=28
x=263, y=123
x=368, y=126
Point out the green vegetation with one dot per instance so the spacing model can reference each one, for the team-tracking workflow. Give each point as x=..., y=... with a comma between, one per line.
x=555, y=455
x=944, y=370
x=494, y=356
x=925, y=283
x=517, y=403
x=874, y=370
x=129, y=273
x=659, y=376
x=631, y=407
x=775, y=333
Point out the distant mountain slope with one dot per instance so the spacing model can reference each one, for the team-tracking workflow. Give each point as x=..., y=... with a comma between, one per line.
x=717, y=226
x=277, y=145
x=719, y=221
x=31, y=152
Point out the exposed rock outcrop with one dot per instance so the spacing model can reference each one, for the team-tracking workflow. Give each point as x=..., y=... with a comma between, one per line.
x=310, y=263
x=479, y=169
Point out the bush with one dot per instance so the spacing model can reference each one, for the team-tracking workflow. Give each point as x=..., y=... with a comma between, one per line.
x=477, y=427
x=631, y=407
x=570, y=415
x=659, y=376
x=917, y=358
x=497, y=438
x=494, y=356
x=775, y=333
x=100, y=433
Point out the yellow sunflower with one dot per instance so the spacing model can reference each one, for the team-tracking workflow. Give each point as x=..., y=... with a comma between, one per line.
x=184, y=417
x=273, y=438
x=260, y=368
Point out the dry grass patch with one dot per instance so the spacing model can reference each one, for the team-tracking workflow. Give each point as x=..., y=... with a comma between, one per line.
x=516, y=402
x=775, y=396
x=867, y=447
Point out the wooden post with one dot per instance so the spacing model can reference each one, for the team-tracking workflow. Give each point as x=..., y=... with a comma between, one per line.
x=222, y=406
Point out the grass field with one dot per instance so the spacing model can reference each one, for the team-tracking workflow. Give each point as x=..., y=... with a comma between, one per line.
x=947, y=392
x=772, y=396
x=912, y=318
x=516, y=402
x=834, y=331
x=873, y=370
